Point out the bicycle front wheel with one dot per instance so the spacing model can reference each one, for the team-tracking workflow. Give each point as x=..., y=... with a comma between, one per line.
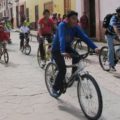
x=6, y=57
x=39, y=59
x=89, y=96
x=103, y=58
x=27, y=49
x=50, y=75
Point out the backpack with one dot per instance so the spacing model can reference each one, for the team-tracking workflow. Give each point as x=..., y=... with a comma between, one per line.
x=106, y=20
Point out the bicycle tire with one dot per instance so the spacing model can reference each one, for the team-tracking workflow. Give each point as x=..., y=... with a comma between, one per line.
x=104, y=60
x=99, y=97
x=79, y=46
x=51, y=80
x=6, y=57
x=39, y=59
x=22, y=49
x=28, y=47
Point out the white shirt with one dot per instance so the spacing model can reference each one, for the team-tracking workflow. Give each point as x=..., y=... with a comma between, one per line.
x=24, y=29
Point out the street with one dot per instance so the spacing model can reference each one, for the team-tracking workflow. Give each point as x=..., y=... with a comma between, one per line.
x=24, y=96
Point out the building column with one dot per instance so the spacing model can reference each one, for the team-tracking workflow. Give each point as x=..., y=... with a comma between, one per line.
x=97, y=9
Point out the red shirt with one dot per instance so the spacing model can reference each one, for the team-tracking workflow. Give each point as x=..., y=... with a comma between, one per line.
x=4, y=36
x=46, y=27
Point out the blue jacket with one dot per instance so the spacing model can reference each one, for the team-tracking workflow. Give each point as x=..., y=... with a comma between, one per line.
x=64, y=37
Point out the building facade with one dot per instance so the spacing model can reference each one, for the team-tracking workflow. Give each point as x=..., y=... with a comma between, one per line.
x=96, y=11
x=32, y=10
x=8, y=9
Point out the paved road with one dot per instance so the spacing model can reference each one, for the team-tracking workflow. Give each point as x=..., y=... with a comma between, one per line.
x=23, y=94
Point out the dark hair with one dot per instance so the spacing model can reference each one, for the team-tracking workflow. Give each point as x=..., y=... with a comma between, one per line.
x=64, y=16
x=46, y=11
x=118, y=9
x=71, y=13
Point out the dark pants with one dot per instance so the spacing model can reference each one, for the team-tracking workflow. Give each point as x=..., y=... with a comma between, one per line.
x=41, y=46
x=59, y=59
x=22, y=37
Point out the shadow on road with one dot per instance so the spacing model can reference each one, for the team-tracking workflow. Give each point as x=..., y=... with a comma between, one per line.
x=72, y=110
x=69, y=108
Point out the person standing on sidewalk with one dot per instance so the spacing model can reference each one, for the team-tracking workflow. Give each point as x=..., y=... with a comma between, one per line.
x=113, y=31
x=84, y=23
x=45, y=29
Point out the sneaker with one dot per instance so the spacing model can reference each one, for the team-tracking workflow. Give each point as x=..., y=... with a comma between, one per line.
x=112, y=68
x=55, y=93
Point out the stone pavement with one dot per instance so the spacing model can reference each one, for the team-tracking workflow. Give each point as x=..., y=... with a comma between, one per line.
x=23, y=94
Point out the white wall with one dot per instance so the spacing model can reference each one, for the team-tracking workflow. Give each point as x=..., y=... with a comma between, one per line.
x=108, y=6
x=79, y=7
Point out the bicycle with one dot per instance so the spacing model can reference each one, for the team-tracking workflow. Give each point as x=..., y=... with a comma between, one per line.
x=85, y=84
x=26, y=48
x=4, y=52
x=47, y=49
x=103, y=56
x=81, y=47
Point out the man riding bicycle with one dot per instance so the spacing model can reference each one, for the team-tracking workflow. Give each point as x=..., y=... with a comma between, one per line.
x=24, y=34
x=45, y=30
x=62, y=47
x=113, y=32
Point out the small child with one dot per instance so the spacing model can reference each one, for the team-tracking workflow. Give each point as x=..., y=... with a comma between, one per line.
x=24, y=34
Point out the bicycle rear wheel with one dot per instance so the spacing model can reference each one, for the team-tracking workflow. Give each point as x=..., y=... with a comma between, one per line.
x=50, y=75
x=82, y=48
x=103, y=58
x=89, y=96
x=6, y=57
x=27, y=49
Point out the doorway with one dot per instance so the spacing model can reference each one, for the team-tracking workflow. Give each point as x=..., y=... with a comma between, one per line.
x=89, y=7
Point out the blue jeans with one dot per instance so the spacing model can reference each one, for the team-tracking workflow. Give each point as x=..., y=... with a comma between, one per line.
x=111, y=57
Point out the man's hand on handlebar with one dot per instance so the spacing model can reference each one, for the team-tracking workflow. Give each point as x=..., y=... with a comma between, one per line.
x=97, y=50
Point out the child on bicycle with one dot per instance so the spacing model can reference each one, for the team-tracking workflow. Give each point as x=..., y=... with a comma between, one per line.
x=24, y=34
x=4, y=37
x=62, y=47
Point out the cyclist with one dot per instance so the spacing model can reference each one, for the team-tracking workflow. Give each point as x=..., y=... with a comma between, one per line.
x=62, y=47
x=24, y=34
x=45, y=29
x=4, y=37
x=113, y=31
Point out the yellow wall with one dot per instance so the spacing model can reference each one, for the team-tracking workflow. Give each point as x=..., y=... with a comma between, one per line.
x=58, y=6
x=31, y=5
x=73, y=4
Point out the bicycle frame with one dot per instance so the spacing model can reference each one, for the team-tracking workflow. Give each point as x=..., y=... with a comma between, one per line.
x=80, y=70
x=46, y=48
